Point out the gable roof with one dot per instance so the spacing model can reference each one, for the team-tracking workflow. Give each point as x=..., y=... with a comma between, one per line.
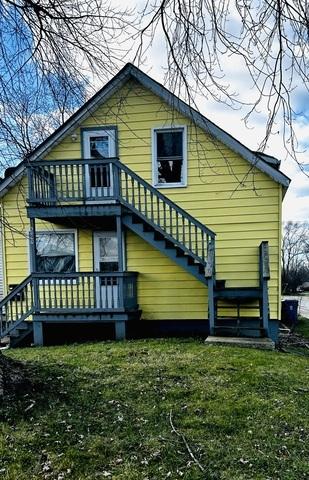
x=267, y=164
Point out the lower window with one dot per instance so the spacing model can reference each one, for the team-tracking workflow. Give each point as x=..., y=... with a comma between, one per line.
x=55, y=252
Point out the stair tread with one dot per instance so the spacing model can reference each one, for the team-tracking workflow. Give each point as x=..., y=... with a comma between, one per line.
x=235, y=293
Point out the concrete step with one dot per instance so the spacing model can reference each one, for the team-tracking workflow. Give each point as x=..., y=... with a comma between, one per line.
x=250, y=342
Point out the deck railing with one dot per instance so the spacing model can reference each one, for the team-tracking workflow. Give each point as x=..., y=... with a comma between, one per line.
x=103, y=180
x=83, y=292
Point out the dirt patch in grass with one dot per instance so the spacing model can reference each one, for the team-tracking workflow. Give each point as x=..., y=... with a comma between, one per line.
x=296, y=338
x=15, y=377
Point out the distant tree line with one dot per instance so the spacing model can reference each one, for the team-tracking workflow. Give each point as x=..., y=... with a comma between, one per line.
x=295, y=256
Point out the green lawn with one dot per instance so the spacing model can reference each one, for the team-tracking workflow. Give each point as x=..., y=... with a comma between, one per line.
x=107, y=408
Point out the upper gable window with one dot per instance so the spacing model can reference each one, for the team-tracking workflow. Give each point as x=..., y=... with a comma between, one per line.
x=169, y=157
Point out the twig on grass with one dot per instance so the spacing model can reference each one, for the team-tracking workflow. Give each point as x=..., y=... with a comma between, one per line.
x=183, y=438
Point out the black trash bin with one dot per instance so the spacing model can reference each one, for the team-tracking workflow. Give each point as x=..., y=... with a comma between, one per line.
x=289, y=309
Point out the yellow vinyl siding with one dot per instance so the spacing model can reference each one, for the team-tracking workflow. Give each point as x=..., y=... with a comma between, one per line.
x=237, y=201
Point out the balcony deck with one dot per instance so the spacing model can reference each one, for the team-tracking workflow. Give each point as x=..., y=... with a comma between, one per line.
x=73, y=189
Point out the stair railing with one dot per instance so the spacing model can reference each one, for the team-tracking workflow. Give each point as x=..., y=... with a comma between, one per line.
x=164, y=215
x=16, y=306
x=59, y=182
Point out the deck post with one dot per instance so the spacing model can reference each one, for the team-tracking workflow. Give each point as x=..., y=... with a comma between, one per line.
x=33, y=265
x=120, y=330
x=211, y=306
x=265, y=307
x=121, y=279
x=264, y=277
x=116, y=180
x=38, y=338
x=32, y=245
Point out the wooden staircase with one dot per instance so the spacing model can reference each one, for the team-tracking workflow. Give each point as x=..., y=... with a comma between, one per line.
x=156, y=219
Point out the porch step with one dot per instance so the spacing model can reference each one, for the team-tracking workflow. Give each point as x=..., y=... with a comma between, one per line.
x=20, y=333
x=249, y=342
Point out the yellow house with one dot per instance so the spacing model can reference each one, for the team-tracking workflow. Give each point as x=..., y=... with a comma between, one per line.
x=139, y=211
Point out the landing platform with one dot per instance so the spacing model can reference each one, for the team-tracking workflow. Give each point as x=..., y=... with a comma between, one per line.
x=262, y=343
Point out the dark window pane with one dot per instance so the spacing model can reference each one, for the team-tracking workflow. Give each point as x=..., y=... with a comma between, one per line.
x=58, y=264
x=108, y=266
x=170, y=171
x=169, y=144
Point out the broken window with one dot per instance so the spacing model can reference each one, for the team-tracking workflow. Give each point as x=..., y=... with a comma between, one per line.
x=169, y=161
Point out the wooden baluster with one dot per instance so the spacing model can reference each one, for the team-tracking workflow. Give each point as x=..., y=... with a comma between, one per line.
x=164, y=216
x=66, y=181
x=60, y=294
x=60, y=170
x=127, y=188
x=89, y=293
x=177, y=227
x=190, y=237
x=196, y=241
x=26, y=298
x=203, y=244
x=73, y=176
x=55, y=292
x=77, y=293
x=145, y=202
x=133, y=193
x=151, y=205
x=112, y=282
x=158, y=211
x=83, y=289
x=139, y=196
x=44, y=293
x=105, y=305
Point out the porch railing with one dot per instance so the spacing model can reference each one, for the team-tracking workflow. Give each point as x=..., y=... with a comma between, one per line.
x=87, y=181
x=83, y=292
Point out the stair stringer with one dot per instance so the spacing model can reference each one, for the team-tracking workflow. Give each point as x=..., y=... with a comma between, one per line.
x=171, y=252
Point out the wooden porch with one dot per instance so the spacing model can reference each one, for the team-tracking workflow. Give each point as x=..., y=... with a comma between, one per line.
x=71, y=297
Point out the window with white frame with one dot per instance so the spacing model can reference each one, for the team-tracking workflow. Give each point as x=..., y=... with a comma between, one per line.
x=55, y=252
x=169, y=157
